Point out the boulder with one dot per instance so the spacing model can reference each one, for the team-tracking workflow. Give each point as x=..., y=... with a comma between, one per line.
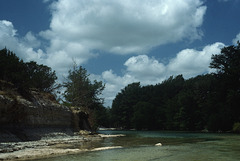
x=158, y=144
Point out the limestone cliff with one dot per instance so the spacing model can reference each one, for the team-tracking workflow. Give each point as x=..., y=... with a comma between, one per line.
x=40, y=111
x=35, y=110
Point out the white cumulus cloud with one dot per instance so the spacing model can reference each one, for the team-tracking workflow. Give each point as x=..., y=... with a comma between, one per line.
x=80, y=28
x=122, y=27
x=31, y=40
x=23, y=47
x=191, y=62
x=236, y=39
x=144, y=68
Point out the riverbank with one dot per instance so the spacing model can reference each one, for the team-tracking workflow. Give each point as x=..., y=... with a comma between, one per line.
x=61, y=144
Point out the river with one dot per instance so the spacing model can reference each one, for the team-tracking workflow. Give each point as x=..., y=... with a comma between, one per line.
x=176, y=146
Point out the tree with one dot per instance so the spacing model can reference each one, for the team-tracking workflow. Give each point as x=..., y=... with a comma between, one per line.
x=209, y=101
x=144, y=116
x=228, y=66
x=12, y=68
x=102, y=116
x=122, y=106
x=26, y=75
x=228, y=61
x=228, y=74
x=41, y=77
x=80, y=91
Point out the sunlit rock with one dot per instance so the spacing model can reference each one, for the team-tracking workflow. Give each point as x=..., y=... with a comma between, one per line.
x=158, y=144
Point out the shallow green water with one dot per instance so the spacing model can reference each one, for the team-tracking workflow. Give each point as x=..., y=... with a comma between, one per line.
x=177, y=146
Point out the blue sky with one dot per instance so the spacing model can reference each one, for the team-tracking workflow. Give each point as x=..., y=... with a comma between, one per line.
x=122, y=41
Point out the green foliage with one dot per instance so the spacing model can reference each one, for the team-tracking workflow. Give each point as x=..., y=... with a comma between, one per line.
x=11, y=68
x=228, y=61
x=122, y=110
x=144, y=116
x=102, y=115
x=41, y=76
x=26, y=75
x=80, y=91
x=208, y=101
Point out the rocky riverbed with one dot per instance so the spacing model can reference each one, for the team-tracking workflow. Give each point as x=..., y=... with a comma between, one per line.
x=34, y=125
x=53, y=145
x=48, y=146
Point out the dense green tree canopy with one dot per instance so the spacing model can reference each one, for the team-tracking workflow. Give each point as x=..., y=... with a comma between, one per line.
x=41, y=76
x=80, y=91
x=26, y=75
x=121, y=111
x=228, y=61
x=209, y=101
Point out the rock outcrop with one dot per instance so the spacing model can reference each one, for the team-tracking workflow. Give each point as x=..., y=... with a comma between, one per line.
x=21, y=115
x=40, y=111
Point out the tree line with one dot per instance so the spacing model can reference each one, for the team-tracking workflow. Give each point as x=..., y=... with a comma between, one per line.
x=26, y=75
x=80, y=91
x=205, y=102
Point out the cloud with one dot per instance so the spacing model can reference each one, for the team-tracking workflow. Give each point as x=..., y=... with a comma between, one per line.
x=235, y=40
x=80, y=28
x=31, y=40
x=28, y=48
x=191, y=62
x=148, y=70
x=7, y=29
x=138, y=68
x=114, y=84
x=144, y=68
x=122, y=27
x=23, y=47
